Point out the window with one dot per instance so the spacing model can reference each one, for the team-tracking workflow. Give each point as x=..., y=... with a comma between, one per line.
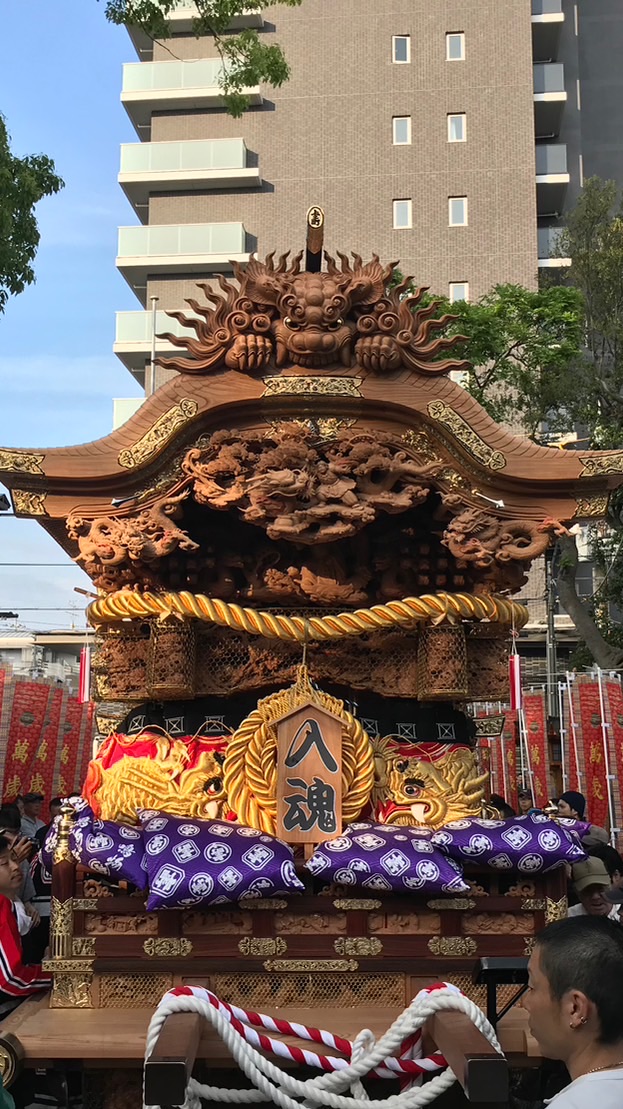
x=455, y=46
x=401, y=49
x=401, y=130
x=458, y=290
x=457, y=211
x=457, y=128
x=402, y=214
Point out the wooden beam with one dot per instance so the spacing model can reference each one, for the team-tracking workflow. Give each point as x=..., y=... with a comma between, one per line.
x=482, y=1072
x=171, y=1062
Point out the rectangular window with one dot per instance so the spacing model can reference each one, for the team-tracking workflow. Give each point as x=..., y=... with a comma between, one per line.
x=457, y=128
x=455, y=46
x=401, y=130
x=457, y=211
x=458, y=290
x=401, y=49
x=402, y=214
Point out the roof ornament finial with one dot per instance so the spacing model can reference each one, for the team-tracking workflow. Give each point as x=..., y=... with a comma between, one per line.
x=315, y=239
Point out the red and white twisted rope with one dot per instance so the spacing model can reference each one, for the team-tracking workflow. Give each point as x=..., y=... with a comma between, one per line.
x=409, y=1065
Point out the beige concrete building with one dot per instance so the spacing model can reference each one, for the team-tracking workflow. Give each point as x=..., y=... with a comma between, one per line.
x=411, y=123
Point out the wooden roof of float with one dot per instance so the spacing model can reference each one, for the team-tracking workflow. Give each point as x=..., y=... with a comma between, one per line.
x=337, y=356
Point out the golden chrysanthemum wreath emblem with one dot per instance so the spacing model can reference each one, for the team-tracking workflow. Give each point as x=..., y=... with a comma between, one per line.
x=250, y=768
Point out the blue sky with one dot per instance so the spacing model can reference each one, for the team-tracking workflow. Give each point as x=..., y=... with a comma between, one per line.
x=60, y=82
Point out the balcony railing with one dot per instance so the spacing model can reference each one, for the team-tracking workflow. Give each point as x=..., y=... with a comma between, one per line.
x=549, y=77
x=173, y=157
x=136, y=328
x=166, y=240
x=547, y=7
x=165, y=76
x=549, y=247
x=149, y=86
x=551, y=160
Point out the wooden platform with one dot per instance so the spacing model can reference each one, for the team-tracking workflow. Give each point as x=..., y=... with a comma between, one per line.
x=107, y=1037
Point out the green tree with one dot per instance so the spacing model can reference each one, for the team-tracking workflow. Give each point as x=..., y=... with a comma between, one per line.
x=246, y=59
x=551, y=361
x=23, y=183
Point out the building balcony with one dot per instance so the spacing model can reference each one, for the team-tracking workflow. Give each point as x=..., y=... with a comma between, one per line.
x=547, y=20
x=180, y=21
x=549, y=98
x=552, y=178
x=549, y=255
x=167, y=86
x=133, y=339
x=186, y=248
x=152, y=167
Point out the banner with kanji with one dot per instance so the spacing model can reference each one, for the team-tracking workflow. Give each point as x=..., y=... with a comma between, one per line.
x=591, y=740
x=508, y=745
x=28, y=713
x=46, y=738
x=535, y=717
x=614, y=702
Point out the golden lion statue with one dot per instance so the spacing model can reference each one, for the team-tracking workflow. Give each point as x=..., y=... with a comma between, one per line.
x=426, y=784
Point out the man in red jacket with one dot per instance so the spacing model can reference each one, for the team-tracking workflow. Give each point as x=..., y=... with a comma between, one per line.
x=17, y=981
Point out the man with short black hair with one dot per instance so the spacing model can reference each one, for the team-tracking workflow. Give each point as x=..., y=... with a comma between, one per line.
x=572, y=805
x=16, y=980
x=31, y=820
x=575, y=1012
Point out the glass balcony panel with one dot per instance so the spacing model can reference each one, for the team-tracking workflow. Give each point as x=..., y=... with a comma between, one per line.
x=547, y=7
x=136, y=327
x=188, y=238
x=548, y=241
x=551, y=158
x=549, y=77
x=163, y=157
x=146, y=76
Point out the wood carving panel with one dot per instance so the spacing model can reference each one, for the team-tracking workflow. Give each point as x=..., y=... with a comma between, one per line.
x=121, y=924
x=400, y=924
x=497, y=924
x=317, y=924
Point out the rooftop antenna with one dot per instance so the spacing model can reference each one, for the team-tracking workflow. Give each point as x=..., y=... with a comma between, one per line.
x=315, y=239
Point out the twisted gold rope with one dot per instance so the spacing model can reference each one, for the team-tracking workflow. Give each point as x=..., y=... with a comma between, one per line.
x=433, y=607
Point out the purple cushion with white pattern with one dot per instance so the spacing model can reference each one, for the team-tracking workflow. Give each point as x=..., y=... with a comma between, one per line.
x=103, y=846
x=580, y=827
x=386, y=859
x=200, y=862
x=531, y=844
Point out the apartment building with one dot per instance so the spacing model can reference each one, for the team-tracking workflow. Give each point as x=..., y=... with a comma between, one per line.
x=411, y=123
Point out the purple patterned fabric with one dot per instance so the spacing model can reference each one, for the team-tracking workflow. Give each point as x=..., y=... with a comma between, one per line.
x=580, y=827
x=200, y=863
x=530, y=844
x=101, y=845
x=387, y=859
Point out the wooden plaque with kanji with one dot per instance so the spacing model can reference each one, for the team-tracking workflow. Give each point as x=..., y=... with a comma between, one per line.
x=309, y=775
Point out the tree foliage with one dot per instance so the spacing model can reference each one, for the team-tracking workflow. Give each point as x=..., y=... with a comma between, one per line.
x=23, y=183
x=246, y=59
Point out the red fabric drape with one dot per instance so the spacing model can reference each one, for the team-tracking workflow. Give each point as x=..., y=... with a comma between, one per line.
x=28, y=714
x=535, y=715
x=591, y=740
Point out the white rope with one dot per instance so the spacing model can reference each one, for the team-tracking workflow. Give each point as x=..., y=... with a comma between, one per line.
x=273, y=1084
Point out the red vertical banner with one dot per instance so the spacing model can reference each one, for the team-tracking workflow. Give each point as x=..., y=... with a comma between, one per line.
x=40, y=778
x=570, y=724
x=535, y=715
x=7, y=686
x=613, y=695
x=28, y=715
x=509, y=737
x=70, y=745
x=591, y=741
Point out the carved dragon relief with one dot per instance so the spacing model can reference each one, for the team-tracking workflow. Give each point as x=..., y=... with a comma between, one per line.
x=280, y=315
x=321, y=504
x=287, y=484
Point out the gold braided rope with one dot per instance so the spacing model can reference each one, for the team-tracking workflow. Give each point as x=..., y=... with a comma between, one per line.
x=433, y=607
x=250, y=768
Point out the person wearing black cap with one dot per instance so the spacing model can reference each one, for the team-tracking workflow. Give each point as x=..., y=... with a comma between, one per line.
x=31, y=820
x=572, y=804
x=526, y=803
